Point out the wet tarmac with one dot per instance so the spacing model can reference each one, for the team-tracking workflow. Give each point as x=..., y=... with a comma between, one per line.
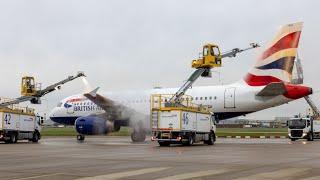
x=118, y=158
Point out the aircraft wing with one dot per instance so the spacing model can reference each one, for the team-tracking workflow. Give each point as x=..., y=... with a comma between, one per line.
x=273, y=89
x=112, y=109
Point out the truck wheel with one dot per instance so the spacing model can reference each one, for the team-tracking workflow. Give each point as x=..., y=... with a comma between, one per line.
x=190, y=141
x=35, y=138
x=164, y=143
x=13, y=138
x=310, y=137
x=212, y=138
x=80, y=137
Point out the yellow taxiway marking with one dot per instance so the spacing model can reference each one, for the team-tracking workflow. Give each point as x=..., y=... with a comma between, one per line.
x=279, y=174
x=195, y=174
x=40, y=176
x=125, y=174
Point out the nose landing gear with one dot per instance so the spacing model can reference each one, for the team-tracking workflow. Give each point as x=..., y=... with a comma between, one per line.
x=80, y=137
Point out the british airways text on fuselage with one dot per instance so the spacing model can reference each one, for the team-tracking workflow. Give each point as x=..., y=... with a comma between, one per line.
x=81, y=104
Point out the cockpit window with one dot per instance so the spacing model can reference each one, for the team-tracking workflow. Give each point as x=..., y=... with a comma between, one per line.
x=59, y=104
x=215, y=51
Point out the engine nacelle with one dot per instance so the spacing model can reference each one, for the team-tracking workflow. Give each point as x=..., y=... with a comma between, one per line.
x=93, y=125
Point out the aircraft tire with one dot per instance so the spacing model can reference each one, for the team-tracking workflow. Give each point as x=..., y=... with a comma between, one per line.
x=80, y=137
x=138, y=136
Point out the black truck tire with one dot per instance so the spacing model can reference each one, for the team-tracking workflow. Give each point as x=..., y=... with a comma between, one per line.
x=35, y=137
x=13, y=138
x=212, y=138
x=310, y=137
x=190, y=140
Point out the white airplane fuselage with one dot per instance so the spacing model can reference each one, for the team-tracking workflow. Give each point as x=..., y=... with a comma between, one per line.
x=227, y=101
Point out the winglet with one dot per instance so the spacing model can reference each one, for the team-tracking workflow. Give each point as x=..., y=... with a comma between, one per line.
x=93, y=93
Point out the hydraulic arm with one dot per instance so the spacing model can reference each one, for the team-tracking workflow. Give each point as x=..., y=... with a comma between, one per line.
x=211, y=58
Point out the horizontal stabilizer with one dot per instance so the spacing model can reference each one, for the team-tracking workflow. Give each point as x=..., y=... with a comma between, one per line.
x=273, y=89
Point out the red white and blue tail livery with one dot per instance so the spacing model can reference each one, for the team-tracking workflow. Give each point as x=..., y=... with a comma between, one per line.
x=276, y=62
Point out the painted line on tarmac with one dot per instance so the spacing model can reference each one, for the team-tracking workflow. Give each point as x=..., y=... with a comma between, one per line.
x=40, y=176
x=312, y=178
x=195, y=174
x=279, y=174
x=125, y=174
x=254, y=137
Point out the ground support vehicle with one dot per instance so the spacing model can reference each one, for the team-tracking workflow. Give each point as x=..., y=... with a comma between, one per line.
x=185, y=124
x=17, y=123
x=303, y=128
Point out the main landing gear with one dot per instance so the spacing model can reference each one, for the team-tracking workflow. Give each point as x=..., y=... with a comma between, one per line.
x=139, y=133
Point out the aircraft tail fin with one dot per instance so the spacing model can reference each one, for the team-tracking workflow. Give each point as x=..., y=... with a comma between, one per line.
x=276, y=62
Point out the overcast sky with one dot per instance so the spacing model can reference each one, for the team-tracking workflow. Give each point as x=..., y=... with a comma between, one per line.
x=140, y=44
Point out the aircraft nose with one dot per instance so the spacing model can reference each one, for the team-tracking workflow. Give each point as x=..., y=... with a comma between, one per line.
x=52, y=113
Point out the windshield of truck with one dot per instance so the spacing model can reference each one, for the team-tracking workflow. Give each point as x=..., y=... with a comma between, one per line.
x=297, y=123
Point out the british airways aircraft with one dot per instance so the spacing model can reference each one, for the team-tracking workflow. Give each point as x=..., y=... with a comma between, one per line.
x=267, y=84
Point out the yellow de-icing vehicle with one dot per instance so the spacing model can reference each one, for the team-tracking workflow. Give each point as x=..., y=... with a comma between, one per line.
x=175, y=119
x=28, y=86
x=32, y=91
x=211, y=57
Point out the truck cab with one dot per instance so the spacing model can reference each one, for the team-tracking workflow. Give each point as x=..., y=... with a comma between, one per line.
x=303, y=128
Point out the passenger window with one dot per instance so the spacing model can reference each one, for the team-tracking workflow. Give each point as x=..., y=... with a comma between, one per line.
x=200, y=98
x=210, y=97
x=205, y=98
x=196, y=98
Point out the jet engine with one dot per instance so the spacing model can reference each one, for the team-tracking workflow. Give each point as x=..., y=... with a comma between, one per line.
x=93, y=125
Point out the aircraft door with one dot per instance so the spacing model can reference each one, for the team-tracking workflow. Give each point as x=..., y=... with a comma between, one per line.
x=229, y=97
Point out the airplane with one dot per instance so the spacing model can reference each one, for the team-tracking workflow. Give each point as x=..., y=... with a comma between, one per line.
x=267, y=84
